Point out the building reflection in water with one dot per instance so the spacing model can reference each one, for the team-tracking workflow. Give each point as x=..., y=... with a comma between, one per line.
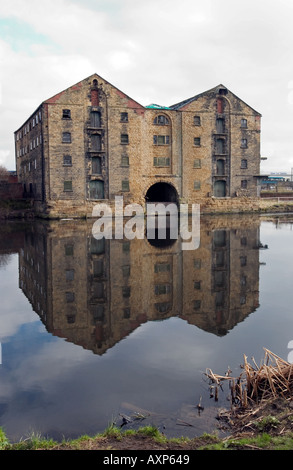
x=96, y=292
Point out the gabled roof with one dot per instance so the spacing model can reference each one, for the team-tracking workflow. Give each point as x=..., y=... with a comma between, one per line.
x=216, y=89
x=92, y=77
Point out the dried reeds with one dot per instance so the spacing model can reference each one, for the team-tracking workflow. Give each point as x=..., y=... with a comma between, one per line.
x=273, y=378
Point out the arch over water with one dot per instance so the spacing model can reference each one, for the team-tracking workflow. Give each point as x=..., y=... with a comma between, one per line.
x=162, y=192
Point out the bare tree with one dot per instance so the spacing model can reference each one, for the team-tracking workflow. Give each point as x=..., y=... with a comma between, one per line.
x=4, y=173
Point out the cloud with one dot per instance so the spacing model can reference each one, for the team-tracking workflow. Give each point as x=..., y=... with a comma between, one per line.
x=155, y=51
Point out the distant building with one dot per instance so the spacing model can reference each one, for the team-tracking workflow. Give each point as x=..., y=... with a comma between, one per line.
x=92, y=142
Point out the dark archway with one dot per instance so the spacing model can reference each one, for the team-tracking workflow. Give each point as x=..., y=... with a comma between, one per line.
x=162, y=192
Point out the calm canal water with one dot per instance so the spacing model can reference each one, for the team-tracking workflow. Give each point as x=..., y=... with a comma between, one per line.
x=92, y=331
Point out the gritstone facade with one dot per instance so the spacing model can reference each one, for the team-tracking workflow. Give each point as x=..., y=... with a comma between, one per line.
x=92, y=142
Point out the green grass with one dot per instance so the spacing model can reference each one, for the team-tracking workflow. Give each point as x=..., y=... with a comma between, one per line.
x=263, y=441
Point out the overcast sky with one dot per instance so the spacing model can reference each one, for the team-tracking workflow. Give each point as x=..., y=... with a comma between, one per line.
x=156, y=51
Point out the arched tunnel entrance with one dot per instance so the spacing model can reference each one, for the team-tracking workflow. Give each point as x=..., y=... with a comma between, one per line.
x=161, y=192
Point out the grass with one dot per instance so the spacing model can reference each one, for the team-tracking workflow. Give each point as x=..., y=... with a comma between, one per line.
x=262, y=441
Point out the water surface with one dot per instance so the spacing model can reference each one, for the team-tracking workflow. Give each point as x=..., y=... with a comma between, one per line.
x=92, y=330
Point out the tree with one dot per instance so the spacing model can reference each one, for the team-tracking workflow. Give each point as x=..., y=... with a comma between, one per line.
x=4, y=173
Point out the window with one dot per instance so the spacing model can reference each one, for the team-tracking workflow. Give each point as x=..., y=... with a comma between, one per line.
x=220, y=106
x=126, y=271
x=126, y=291
x=161, y=139
x=196, y=121
x=67, y=160
x=220, y=125
x=66, y=137
x=220, y=146
x=220, y=167
x=197, y=263
x=162, y=161
x=69, y=296
x=125, y=185
x=95, y=119
x=162, y=267
x=196, y=304
x=67, y=185
x=162, y=289
x=196, y=185
x=68, y=250
x=124, y=139
x=196, y=285
x=66, y=114
x=244, y=143
x=124, y=160
x=161, y=120
x=197, y=163
x=69, y=274
x=124, y=117
x=243, y=260
x=243, y=163
x=96, y=189
x=243, y=184
x=96, y=166
x=244, y=123
x=98, y=268
x=197, y=141
x=96, y=142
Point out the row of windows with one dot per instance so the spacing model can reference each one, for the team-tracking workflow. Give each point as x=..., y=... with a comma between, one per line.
x=29, y=126
x=32, y=145
x=96, y=143
x=68, y=186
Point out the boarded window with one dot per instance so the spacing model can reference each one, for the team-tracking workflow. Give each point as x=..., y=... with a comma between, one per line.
x=243, y=163
x=220, y=106
x=67, y=185
x=96, y=142
x=67, y=160
x=95, y=119
x=96, y=166
x=97, y=247
x=162, y=267
x=196, y=121
x=220, y=146
x=125, y=185
x=220, y=167
x=197, y=163
x=220, y=126
x=243, y=184
x=96, y=189
x=98, y=268
x=162, y=161
x=220, y=189
x=69, y=273
x=66, y=137
x=68, y=250
x=124, y=160
x=69, y=296
x=196, y=185
x=98, y=290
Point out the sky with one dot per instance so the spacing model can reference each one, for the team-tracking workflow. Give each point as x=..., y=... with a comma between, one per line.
x=155, y=51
